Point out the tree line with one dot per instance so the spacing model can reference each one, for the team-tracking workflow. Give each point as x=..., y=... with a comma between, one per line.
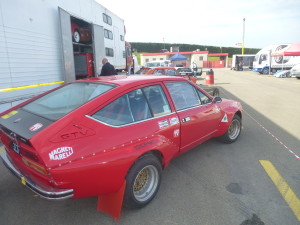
x=150, y=47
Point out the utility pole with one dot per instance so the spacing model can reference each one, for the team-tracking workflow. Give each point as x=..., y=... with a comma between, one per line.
x=243, y=43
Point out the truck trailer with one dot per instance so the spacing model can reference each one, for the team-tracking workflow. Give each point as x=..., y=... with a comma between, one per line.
x=46, y=43
x=241, y=62
x=264, y=63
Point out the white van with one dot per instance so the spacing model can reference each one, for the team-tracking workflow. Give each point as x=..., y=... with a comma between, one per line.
x=157, y=64
x=295, y=71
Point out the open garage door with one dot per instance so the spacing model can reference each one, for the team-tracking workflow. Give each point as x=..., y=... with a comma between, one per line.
x=98, y=48
x=67, y=47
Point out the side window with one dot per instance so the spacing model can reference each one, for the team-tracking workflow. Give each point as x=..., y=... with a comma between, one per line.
x=183, y=94
x=131, y=107
x=157, y=100
x=116, y=113
x=109, y=52
x=107, y=19
x=108, y=34
x=204, y=99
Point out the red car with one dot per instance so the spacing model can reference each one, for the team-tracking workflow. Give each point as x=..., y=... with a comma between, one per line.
x=175, y=72
x=111, y=136
x=170, y=71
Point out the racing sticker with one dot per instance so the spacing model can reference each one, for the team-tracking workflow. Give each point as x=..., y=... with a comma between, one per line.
x=163, y=124
x=35, y=127
x=217, y=109
x=225, y=119
x=174, y=121
x=10, y=114
x=61, y=153
x=176, y=133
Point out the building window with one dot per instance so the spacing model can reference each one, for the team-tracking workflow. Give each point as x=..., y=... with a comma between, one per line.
x=147, y=60
x=107, y=19
x=121, y=37
x=108, y=34
x=201, y=58
x=109, y=52
x=161, y=59
x=153, y=59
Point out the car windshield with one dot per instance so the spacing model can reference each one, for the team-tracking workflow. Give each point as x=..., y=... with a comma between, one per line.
x=60, y=102
x=184, y=70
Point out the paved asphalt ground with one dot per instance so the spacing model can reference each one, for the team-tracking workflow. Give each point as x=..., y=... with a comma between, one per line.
x=214, y=183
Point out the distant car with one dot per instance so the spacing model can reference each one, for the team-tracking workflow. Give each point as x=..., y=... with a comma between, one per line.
x=111, y=135
x=157, y=64
x=80, y=34
x=172, y=71
x=189, y=71
x=163, y=71
x=185, y=71
x=282, y=73
x=143, y=70
x=177, y=66
x=295, y=71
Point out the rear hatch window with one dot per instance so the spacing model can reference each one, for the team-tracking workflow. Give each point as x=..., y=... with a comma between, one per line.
x=60, y=102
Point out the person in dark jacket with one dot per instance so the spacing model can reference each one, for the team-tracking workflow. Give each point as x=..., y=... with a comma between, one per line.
x=107, y=68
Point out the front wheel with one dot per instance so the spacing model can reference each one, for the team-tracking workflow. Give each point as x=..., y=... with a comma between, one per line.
x=265, y=71
x=142, y=181
x=233, y=131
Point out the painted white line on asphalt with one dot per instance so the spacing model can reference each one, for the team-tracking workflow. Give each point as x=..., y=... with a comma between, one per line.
x=277, y=139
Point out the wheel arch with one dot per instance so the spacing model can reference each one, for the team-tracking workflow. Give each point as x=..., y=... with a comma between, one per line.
x=239, y=113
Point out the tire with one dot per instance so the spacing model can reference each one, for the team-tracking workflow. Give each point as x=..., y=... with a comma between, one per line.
x=265, y=71
x=76, y=36
x=233, y=131
x=142, y=182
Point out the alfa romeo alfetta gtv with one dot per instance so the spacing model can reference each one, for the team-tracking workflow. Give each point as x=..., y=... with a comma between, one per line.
x=111, y=136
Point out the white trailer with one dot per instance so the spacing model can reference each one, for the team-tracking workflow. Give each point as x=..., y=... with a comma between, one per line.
x=39, y=48
x=240, y=62
x=264, y=63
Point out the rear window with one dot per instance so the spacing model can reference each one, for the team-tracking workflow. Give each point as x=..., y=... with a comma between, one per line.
x=60, y=102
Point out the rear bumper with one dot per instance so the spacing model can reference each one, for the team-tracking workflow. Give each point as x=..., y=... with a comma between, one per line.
x=43, y=190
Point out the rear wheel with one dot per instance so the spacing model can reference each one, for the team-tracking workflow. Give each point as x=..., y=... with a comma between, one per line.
x=233, y=131
x=142, y=181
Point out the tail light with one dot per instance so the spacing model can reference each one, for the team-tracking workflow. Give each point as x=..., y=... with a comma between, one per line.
x=35, y=166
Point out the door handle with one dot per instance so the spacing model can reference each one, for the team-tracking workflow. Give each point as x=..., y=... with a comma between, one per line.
x=186, y=119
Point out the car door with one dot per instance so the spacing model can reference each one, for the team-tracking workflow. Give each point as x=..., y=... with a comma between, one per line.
x=141, y=115
x=199, y=116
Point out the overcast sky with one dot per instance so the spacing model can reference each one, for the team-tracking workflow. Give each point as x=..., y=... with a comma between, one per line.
x=211, y=22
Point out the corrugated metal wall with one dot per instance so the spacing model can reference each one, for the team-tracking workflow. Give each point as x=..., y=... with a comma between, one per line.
x=29, y=50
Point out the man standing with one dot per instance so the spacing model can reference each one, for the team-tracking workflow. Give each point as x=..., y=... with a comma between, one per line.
x=107, y=68
x=195, y=69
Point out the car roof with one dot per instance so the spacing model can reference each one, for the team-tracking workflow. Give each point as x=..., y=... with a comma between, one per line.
x=132, y=80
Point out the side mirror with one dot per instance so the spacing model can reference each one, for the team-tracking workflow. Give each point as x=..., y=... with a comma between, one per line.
x=217, y=99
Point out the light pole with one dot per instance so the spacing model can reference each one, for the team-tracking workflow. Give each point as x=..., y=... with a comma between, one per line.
x=243, y=36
